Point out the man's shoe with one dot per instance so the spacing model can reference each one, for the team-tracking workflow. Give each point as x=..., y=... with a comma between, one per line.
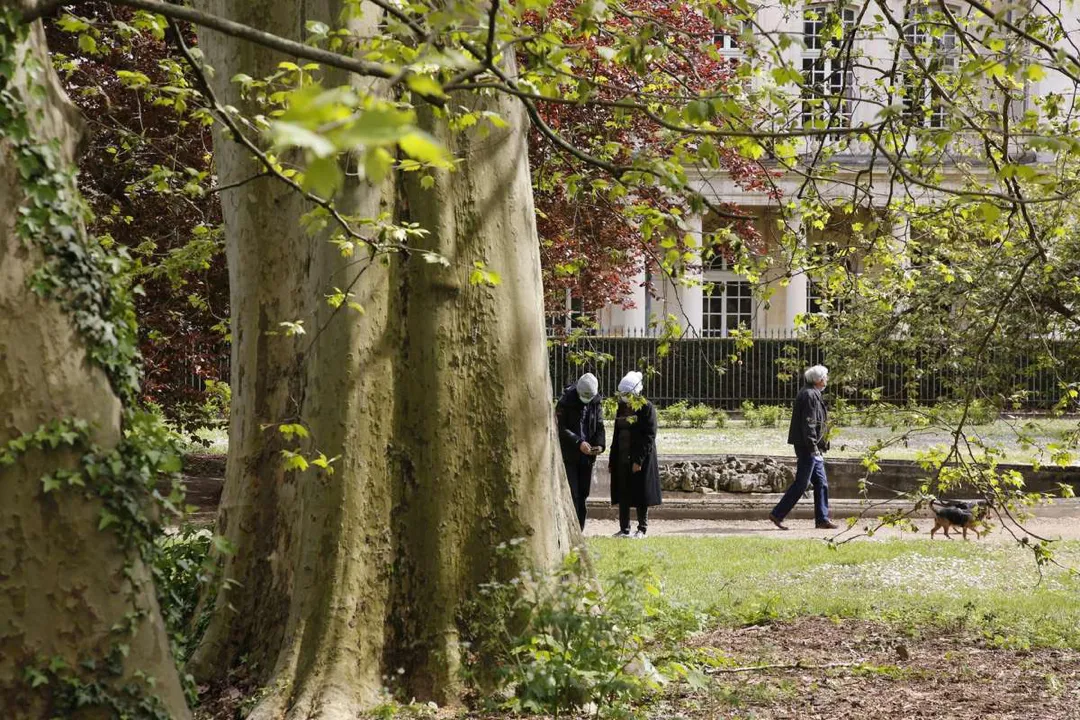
x=777, y=522
x=622, y=534
x=639, y=535
x=827, y=525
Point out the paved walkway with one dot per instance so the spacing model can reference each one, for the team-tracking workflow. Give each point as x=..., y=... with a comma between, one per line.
x=1063, y=528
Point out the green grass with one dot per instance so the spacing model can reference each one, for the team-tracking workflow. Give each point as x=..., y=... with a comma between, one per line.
x=991, y=590
x=212, y=441
x=737, y=439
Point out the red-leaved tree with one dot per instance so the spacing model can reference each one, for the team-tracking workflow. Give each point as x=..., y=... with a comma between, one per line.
x=146, y=173
x=596, y=236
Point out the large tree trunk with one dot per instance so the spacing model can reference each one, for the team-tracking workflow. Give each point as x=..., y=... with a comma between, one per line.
x=65, y=586
x=437, y=400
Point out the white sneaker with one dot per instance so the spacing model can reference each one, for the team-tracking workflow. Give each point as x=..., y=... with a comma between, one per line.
x=622, y=534
x=638, y=535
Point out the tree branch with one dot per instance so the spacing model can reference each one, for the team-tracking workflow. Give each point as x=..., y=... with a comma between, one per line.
x=246, y=32
x=222, y=114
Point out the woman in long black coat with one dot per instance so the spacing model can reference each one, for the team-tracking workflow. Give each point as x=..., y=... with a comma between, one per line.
x=635, y=473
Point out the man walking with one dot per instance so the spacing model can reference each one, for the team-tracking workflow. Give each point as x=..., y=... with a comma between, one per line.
x=807, y=433
x=581, y=436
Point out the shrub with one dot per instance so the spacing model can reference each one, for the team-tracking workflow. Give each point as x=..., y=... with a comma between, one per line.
x=841, y=414
x=547, y=644
x=875, y=415
x=182, y=569
x=771, y=415
x=749, y=413
x=721, y=418
x=673, y=415
x=699, y=416
x=765, y=416
x=979, y=412
x=982, y=412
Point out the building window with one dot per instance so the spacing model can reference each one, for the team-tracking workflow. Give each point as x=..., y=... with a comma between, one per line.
x=929, y=37
x=826, y=66
x=570, y=318
x=818, y=302
x=814, y=300
x=728, y=43
x=719, y=262
x=728, y=305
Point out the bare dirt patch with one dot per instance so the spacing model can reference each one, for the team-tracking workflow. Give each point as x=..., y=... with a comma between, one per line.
x=889, y=674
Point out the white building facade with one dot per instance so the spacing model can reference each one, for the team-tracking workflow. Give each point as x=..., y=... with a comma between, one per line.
x=716, y=300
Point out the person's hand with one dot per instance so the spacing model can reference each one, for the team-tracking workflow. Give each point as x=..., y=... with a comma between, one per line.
x=585, y=448
x=636, y=468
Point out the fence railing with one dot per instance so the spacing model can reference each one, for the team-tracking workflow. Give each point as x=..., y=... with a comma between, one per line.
x=716, y=372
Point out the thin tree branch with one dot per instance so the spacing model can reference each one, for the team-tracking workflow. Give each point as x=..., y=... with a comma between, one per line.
x=238, y=183
x=781, y=666
x=238, y=134
x=259, y=37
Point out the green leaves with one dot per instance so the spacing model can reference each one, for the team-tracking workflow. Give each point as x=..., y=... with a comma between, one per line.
x=293, y=430
x=482, y=276
x=292, y=328
x=422, y=147
x=327, y=124
x=294, y=461
x=425, y=85
x=290, y=135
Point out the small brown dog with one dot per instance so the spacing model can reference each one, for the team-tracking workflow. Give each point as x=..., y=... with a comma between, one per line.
x=957, y=514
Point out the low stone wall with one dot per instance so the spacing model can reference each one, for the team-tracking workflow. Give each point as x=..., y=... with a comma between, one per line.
x=728, y=474
x=847, y=474
x=705, y=474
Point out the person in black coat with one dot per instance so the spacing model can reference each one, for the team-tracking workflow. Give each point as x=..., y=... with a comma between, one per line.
x=582, y=436
x=807, y=433
x=635, y=473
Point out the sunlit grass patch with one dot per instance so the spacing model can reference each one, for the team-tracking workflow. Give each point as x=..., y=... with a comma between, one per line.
x=997, y=591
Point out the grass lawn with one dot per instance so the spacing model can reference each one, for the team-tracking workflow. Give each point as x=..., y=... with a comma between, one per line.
x=737, y=438
x=994, y=591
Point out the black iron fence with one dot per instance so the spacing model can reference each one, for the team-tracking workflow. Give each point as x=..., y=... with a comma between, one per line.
x=720, y=373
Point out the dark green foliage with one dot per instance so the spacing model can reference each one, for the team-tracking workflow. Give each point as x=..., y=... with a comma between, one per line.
x=182, y=571
x=89, y=284
x=674, y=414
x=146, y=173
x=764, y=416
x=549, y=644
x=77, y=273
x=699, y=416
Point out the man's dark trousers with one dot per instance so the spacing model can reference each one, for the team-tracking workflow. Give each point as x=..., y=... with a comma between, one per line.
x=810, y=469
x=580, y=485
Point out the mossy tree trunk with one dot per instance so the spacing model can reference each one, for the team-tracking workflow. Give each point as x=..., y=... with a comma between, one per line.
x=69, y=592
x=436, y=399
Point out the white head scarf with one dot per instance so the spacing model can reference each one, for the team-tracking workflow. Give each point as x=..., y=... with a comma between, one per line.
x=587, y=387
x=631, y=383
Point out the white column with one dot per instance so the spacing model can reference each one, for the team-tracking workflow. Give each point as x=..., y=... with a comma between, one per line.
x=798, y=286
x=629, y=320
x=691, y=294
